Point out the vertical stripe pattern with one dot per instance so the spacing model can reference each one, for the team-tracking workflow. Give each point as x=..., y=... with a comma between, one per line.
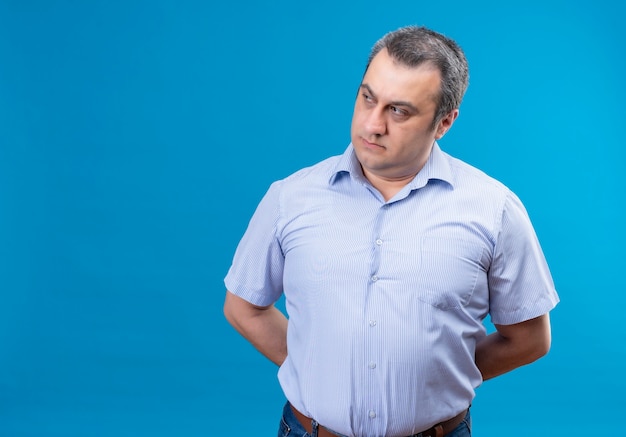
x=386, y=299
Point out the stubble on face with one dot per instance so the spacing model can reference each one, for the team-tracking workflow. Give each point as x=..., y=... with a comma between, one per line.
x=392, y=125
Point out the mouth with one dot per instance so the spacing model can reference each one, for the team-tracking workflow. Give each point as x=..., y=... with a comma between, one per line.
x=370, y=145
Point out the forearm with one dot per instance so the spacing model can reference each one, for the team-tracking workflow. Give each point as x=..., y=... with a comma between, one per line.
x=264, y=327
x=513, y=346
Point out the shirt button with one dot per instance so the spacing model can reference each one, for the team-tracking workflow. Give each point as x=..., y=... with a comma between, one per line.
x=372, y=322
x=372, y=365
x=379, y=242
x=372, y=414
x=374, y=278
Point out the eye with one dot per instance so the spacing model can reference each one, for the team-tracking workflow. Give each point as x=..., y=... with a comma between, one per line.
x=367, y=98
x=397, y=111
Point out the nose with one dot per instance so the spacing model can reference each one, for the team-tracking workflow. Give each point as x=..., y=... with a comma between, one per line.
x=375, y=122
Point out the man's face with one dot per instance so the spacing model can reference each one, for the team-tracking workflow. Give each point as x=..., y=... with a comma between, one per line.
x=392, y=131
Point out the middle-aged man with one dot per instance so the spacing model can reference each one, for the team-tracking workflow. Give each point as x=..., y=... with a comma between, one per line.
x=390, y=257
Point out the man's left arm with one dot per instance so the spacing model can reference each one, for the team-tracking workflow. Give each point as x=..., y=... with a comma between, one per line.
x=512, y=346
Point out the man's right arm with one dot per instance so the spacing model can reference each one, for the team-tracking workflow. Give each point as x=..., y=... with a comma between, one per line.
x=264, y=327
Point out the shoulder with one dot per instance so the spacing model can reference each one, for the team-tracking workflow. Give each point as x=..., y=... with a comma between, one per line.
x=467, y=176
x=471, y=181
x=316, y=176
x=481, y=191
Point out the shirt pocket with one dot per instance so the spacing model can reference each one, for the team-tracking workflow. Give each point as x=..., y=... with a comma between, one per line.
x=449, y=271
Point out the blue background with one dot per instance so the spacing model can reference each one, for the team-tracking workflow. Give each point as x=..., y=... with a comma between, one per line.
x=136, y=139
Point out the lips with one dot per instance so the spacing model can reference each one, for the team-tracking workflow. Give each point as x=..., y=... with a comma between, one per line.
x=370, y=145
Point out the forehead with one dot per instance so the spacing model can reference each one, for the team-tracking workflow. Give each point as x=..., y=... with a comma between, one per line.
x=391, y=80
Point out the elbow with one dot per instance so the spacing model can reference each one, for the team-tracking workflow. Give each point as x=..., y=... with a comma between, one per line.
x=239, y=312
x=532, y=340
x=544, y=346
x=540, y=338
x=229, y=309
x=540, y=347
x=538, y=352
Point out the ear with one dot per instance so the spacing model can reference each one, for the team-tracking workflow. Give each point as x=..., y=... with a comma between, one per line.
x=446, y=123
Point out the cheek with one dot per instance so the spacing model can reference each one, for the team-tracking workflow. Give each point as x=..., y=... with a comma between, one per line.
x=357, y=118
x=410, y=142
x=353, y=126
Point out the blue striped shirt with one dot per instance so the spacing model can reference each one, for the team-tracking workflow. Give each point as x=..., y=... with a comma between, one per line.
x=386, y=299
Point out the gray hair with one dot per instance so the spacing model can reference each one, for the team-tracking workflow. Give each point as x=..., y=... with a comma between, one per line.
x=414, y=46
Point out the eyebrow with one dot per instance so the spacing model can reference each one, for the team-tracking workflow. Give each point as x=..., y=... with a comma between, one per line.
x=394, y=103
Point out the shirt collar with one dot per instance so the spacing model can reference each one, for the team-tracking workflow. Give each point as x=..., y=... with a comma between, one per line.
x=437, y=167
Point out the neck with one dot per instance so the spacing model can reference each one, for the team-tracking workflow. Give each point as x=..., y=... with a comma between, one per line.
x=387, y=186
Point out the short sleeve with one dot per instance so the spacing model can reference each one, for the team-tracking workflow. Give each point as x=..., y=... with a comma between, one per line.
x=520, y=283
x=256, y=273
